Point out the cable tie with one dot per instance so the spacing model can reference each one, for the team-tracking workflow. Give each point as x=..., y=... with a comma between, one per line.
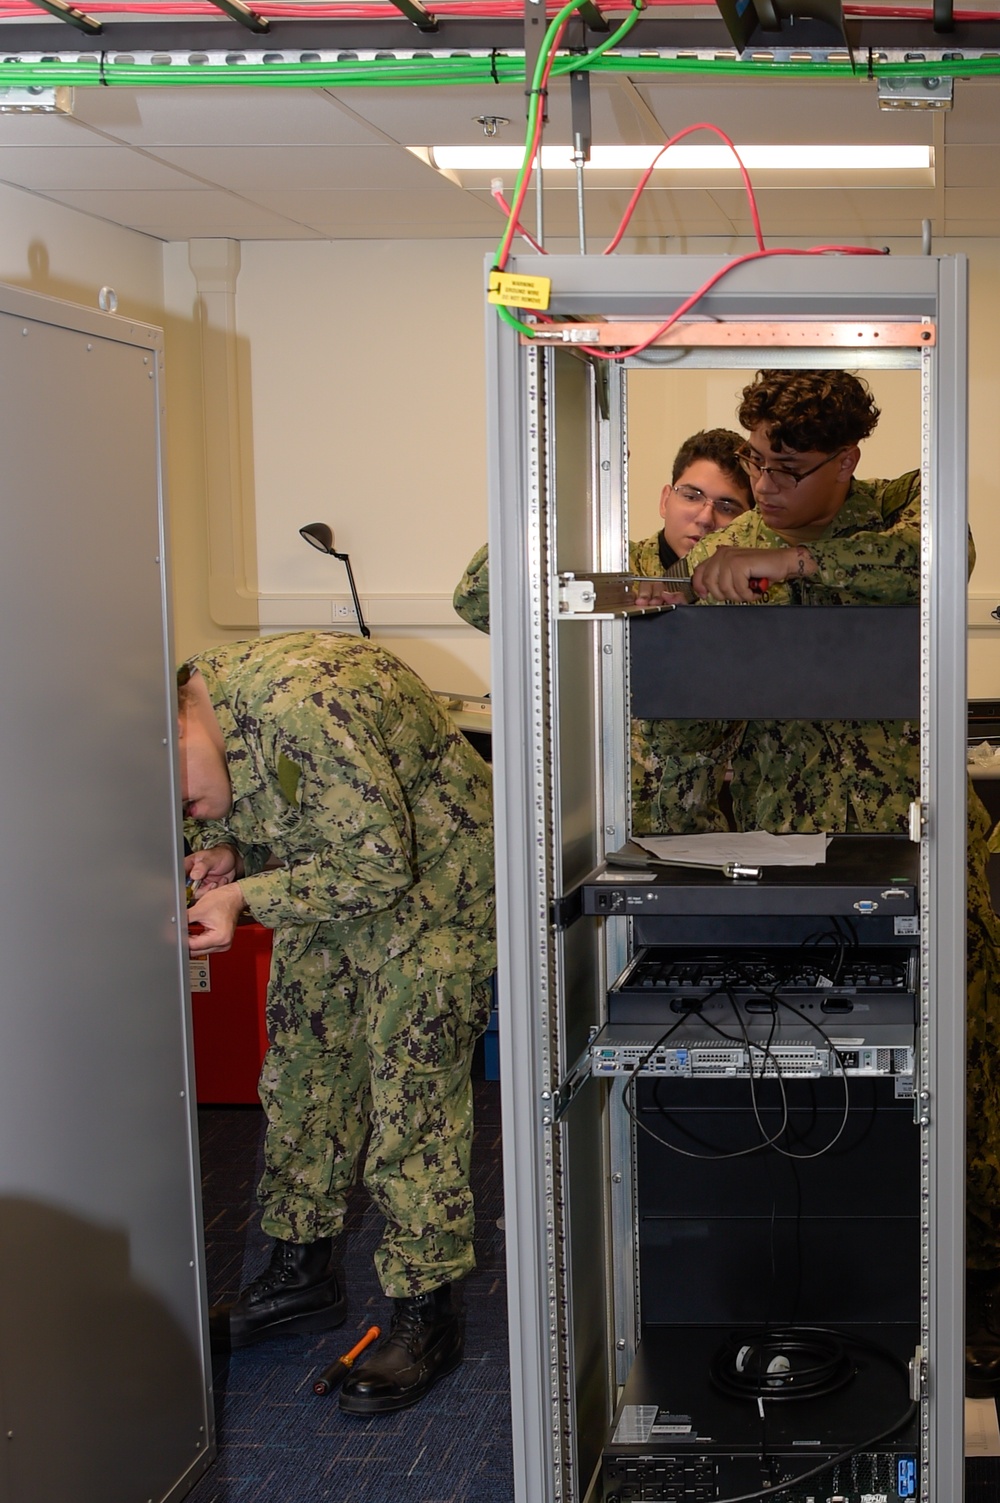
x=102, y=77
x=493, y=66
x=871, y=67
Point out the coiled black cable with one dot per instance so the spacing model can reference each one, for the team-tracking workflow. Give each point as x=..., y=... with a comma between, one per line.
x=782, y=1364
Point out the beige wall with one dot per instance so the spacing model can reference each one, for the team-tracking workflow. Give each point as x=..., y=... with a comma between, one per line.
x=368, y=398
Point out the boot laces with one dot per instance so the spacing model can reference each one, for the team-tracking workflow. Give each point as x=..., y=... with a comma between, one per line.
x=412, y=1319
x=280, y=1270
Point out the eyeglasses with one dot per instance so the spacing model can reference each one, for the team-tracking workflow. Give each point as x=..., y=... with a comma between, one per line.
x=785, y=480
x=723, y=507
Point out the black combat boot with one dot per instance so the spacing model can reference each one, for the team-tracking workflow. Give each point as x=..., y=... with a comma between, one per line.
x=298, y=1291
x=982, y=1333
x=424, y=1344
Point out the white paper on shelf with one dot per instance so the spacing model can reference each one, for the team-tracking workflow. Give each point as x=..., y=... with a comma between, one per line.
x=753, y=848
x=982, y=1433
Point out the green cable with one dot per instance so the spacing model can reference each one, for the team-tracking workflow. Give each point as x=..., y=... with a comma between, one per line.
x=421, y=72
x=534, y=106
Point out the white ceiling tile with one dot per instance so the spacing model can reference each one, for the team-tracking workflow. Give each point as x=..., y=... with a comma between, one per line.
x=972, y=203
x=975, y=115
x=378, y=209
x=204, y=212
x=223, y=116
x=294, y=167
x=45, y=130
x=971, y=166
x=85, y=167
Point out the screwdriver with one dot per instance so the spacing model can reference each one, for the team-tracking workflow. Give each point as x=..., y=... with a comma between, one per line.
x=337, y=1371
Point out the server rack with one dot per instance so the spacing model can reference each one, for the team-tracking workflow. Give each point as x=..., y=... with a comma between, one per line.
x=558, y=443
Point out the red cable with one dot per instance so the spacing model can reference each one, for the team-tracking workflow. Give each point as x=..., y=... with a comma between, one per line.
x=504, y=250
x=497, y=194
x=757, y=255
x=704, y=125
x=471, y=9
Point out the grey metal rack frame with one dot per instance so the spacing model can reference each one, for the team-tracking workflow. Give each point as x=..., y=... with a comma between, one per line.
x=557, y=455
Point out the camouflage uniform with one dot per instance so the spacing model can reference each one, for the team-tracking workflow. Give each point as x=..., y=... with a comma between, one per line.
x=472, y=594
x=861, y=775
x=345, y=768
x=675, y=783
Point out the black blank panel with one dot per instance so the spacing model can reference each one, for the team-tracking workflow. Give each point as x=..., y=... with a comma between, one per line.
x=800, y=663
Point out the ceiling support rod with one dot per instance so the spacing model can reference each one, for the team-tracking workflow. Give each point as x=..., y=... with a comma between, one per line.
x=71, y=16
x=414, y=11
x=237, y=11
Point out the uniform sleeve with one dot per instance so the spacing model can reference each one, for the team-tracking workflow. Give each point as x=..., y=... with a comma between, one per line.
x=678, y=770
x=356, y=855
x=882, y=565
x=205, y=835
x=472, y=595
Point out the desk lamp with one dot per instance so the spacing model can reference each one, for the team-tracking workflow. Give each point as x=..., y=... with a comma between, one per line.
x=320, y=536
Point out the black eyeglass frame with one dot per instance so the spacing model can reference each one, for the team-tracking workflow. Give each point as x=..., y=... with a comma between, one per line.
x=753, y=467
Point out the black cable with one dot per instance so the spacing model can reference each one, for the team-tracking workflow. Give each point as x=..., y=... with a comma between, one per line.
x=865, y=1445
x=629, y=1086
x=816, y=1360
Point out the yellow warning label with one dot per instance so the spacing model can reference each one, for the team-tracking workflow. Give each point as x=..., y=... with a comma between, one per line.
x=519, y=292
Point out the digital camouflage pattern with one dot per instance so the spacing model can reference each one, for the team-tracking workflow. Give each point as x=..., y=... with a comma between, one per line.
x=347, y=771
x=821, y=775
x=798, y=776
x=472, y=593
x=674, y=775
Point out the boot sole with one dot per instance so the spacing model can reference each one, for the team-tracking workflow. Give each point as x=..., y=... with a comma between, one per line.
x=351, y=1404
x=310, y=1321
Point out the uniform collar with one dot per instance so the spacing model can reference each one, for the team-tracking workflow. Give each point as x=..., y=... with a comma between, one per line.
x=859, y=513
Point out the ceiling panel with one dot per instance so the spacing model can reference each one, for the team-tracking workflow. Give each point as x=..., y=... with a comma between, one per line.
x=971, y=167
x=185, y=213
x=358, y=208
x=85, y=167
x=226, y=116
x=317, y=167
x=975, y=115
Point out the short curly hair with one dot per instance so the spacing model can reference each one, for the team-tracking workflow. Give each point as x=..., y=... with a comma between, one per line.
x=809, y=410
x=721, y=446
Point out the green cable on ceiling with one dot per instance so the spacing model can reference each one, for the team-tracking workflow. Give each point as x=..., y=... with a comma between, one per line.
x=430, y=72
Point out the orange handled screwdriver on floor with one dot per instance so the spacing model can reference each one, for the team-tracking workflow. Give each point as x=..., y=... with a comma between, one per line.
x=337, y=1371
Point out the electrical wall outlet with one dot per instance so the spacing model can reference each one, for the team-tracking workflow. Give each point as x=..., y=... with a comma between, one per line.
x=343, y=610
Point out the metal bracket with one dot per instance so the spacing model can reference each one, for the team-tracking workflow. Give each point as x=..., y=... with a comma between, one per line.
x=417, y=13
x=237, y=11
x=612, y=334
x=615, y=594
x=916, y=817
x=591, y=16
x=71, y=16
x=918, y=1375
x=555, y=1103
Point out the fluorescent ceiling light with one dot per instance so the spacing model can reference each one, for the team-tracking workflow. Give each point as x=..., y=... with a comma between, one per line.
x=807, y=160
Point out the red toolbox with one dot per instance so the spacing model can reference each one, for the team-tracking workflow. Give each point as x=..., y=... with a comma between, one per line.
x=228, y=992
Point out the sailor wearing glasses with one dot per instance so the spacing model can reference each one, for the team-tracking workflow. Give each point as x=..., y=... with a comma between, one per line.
x=708, y=490
x=821, y=537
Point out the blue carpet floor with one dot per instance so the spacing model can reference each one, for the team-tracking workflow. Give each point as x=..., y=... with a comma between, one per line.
x=278, y=1442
